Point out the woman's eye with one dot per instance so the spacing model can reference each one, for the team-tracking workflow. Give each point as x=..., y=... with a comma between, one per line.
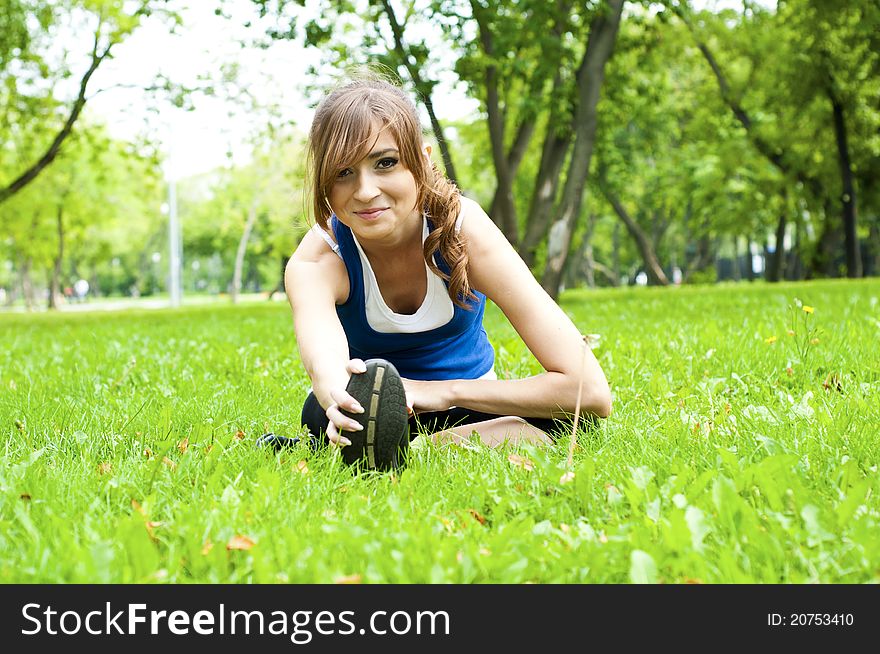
x=343, y=173
x=387, y=162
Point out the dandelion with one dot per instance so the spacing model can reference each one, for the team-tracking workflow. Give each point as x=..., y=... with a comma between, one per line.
x=770, y=340
x=807, y=309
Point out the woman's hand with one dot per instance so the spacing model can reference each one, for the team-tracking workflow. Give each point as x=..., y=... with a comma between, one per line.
x=426, y=395
x=342, y=400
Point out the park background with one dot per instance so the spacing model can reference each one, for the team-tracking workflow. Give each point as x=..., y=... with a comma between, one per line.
x=735, y=141
x=695, y=182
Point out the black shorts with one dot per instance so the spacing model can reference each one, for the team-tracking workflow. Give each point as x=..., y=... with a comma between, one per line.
x=315, y=420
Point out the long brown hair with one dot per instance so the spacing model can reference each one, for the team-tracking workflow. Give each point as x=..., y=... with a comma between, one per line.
x=342, y=134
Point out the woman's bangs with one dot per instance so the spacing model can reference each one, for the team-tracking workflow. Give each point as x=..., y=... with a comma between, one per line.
x=349, y=140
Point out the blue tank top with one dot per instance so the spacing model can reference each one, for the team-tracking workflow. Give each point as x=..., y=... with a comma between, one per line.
x=460, y=349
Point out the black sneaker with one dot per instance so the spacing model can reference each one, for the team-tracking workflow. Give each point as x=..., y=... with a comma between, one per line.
x=383, y=442
x=278, y=443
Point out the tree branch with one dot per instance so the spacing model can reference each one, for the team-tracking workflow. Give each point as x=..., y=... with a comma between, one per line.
x=31, y=173
x=422, y=88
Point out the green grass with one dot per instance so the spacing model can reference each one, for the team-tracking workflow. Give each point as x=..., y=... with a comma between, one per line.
x=128, y=453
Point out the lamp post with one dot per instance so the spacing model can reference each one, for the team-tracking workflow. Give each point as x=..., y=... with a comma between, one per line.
x=175, y=247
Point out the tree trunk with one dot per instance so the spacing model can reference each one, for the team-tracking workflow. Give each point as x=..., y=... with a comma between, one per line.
x=749, y=267
x=775, y=267
x=823, y=262
x=655, y=273
x=600, y=45
x=580, y=266
x=279, y=287
x=848, y=197
x=242, y=248
x=512, y=162
x=55, y=283
x=553, y=153
x=503, y=206
x=737, y=271
x=873, y=248
x=796, y=268
x=423, y=88
x=615, y=252
x=27, y=285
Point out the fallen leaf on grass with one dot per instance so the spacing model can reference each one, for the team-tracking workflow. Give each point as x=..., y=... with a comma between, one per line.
x=137, y=507
x=105, y=468
x=477, y=516
x=183, y=445
x=151, y=526
x=567, y=478
x=348, y=579
x=239, y=542
x=521, y=462
x=239, y=435
x=207, y=547
x=168, y=462
x=302, y=467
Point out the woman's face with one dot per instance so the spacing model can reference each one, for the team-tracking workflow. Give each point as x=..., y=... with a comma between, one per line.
x=376, y=197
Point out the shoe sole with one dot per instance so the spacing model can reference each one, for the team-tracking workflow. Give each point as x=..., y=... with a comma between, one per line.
x=385, y=436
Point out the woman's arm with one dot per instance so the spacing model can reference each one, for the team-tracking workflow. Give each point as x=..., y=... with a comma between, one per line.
x=315, y=280
x=498, y=271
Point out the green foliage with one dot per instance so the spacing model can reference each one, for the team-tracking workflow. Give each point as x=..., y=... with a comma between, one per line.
x=108, y=197
x=215, y=207
x=128, y=453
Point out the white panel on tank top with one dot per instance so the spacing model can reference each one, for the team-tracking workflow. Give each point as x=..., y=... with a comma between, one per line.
x=436, y=309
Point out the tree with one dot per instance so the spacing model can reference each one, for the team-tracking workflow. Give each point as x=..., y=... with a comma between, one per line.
x=29, y=75
x=96, y=202
x=603, y=33
x=823, y=67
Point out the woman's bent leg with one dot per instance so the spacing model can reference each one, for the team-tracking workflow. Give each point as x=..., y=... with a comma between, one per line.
x=511, y=430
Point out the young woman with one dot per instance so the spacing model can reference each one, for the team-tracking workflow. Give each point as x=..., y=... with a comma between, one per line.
x=398, y=267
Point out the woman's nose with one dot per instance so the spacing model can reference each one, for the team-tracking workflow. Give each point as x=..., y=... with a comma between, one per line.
x=367, y=188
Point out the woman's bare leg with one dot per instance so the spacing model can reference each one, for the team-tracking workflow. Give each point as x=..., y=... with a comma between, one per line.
x=495, y=432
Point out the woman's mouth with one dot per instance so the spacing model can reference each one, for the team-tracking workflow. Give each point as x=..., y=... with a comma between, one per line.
x=371, y=214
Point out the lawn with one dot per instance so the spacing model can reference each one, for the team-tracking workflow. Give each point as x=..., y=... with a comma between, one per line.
x=743, y=447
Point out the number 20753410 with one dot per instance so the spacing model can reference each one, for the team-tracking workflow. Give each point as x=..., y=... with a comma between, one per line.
x=810, y=619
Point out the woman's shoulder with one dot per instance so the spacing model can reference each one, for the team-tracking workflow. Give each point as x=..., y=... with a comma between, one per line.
x=316, y=254
x=472, y=218
x=476, y=227
x=317, y=246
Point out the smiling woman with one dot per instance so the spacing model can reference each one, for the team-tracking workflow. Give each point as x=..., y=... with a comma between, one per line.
x=388, y=292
